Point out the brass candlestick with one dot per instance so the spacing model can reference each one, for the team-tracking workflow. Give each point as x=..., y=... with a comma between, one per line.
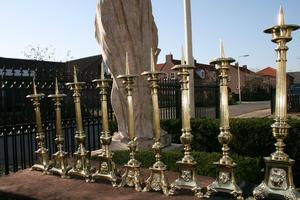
x=42, y=163
x=106, y=167
x=60, y=165
x=225, y=181
x=187, y=176
x=81, y=166
x=132, y=175
x=157, y=180
x=278, y=182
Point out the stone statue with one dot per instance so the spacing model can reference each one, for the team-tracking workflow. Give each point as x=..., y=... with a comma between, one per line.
x=128, y=26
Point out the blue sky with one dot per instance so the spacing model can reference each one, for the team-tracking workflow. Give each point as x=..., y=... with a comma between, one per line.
x=69, y=25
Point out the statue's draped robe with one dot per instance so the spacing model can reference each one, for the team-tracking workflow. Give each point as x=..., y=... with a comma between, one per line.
x=128, y=25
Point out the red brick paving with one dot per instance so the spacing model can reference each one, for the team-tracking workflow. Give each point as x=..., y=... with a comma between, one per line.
x=32, y=184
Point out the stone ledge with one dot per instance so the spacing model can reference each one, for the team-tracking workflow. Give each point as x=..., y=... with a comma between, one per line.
x=27, y=184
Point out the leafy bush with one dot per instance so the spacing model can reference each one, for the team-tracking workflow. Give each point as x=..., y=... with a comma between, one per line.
x=251, y=137
x=247, y=168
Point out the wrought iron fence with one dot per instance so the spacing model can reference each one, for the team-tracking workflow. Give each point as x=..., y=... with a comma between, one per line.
x=17, y=127
x=293, y=102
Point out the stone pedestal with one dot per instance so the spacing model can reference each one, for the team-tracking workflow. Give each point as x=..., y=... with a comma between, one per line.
x=120, y=143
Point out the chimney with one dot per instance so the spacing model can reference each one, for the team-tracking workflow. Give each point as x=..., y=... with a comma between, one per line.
x=169, y=58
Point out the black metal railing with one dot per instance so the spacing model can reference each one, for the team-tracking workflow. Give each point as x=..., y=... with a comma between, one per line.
x=293, y=102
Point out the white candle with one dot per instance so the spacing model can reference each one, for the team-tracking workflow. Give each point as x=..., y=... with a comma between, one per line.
x=182, y=56
x=34, y=86
x=75, y=75
x=222, y=54
x=152, y=63
x=102, y=70
x=127, y=65
x=280, y=17
x=56, y=86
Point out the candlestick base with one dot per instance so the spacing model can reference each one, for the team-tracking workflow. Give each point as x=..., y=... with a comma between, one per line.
x=278, y=182
x=225, y=182
x=106, y=170
x=42, y=160
x=60, y=165
x=186, y=179
x=132, y=175
x=157, y=180
x=81, y=166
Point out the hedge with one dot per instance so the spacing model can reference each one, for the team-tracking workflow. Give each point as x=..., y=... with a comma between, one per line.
x=252, y=137
x=247, y=169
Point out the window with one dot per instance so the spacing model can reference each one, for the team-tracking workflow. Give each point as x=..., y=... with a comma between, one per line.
x=165, y=76
x=173, y=75
x=200, y=73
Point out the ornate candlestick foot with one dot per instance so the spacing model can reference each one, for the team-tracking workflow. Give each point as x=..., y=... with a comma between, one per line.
x=225, y=182
x=132, y=175
x=60, y=165
x=157, y=180
x=186, y=179
x=107, y=168
x=278, y=182
x=42, y=163
x=81, y=166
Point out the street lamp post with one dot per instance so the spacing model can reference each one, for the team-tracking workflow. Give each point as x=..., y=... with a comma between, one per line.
x=239, y=77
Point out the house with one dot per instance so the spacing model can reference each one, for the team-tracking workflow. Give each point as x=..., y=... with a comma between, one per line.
x=269, y=75
x=207, y=73
x=246, y=76
x=202, y=72
x=296, y=76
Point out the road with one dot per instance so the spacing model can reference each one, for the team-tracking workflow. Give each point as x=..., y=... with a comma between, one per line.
x=248, y=107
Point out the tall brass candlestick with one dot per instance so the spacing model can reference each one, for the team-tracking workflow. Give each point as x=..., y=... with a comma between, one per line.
x=278, y=182
x=225, y=181
x=42, y=163
x=132, y=175
x=81, y=166
x=106, y=167
x=60, y=166
x=157, y=180
x=187, y=176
